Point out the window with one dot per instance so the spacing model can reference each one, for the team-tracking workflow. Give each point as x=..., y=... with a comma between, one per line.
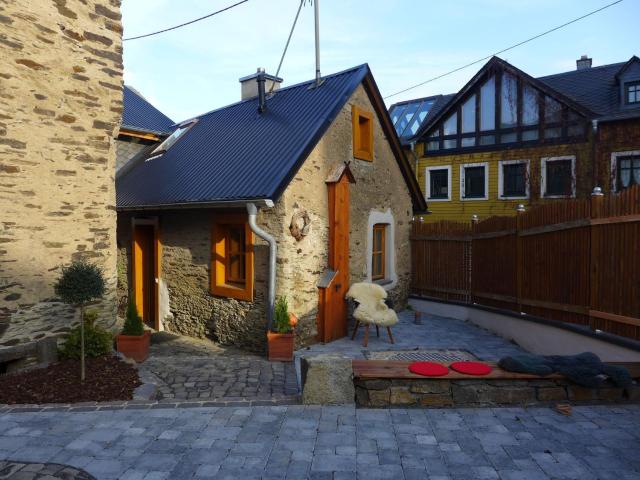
x=488, y=105
x=513, y=179
x=438, y=183
x=473, y=181
x=378, y=253
x=451, y=125
x=171, y=139
x=628, y=171
x=469, y=115
x=509, y=101
x=362, y=134
x=557, y=177
x=232, y=258
x=529, y=106
x=632, y=92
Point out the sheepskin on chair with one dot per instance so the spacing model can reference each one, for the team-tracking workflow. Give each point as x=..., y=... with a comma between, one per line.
x=371, y=308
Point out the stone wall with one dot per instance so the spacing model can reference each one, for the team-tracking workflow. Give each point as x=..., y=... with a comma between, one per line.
x=380, y=393
x=60, y=104
x=186, y=243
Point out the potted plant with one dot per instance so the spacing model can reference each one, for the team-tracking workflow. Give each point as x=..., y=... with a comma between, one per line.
x=280, y=340
x=133, y=342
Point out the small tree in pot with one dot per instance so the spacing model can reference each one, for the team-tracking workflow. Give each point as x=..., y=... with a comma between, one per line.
x=280, y=340
x=133, y=342
x=79, y=284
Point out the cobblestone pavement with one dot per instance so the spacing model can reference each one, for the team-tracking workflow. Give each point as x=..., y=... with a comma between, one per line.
x=190, y=369
x=40, y=471
x=298, y=442
x=434, y=333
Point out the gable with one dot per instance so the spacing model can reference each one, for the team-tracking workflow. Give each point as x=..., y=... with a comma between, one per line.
x=502, y=105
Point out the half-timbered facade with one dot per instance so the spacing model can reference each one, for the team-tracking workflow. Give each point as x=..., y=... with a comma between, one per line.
x=507, y=138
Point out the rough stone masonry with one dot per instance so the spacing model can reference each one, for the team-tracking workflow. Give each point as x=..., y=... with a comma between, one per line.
x=60, y=105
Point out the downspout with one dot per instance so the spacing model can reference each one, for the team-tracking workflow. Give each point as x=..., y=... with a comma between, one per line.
x=594, y=154
x=252, y=210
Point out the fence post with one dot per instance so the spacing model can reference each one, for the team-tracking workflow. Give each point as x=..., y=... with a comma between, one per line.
x=474, y=224
x=520, y=209
x=594, y=212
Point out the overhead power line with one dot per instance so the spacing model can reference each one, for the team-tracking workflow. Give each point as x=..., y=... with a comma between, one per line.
x=503, y=50
x=186, y=23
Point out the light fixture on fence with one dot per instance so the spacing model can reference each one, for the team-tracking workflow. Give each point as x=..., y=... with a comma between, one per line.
x=475, y=218
x=520, y=208
x=421, y=219
x=597, y=192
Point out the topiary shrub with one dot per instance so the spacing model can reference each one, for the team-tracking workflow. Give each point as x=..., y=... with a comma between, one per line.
x=97, y=340
x=133, y=325
x=281, y=323
x=80, y=283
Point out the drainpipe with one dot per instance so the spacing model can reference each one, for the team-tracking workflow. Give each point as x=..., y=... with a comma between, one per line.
x=252, y=210
x=594, y=154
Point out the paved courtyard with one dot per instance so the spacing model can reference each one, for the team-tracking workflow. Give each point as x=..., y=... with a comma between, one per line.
x=297, y=442
x=190, y=369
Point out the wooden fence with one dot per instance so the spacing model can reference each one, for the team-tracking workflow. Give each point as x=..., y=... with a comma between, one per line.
x=574, y=261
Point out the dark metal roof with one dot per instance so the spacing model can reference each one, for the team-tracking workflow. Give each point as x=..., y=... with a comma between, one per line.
x=236, y=153
x=138, y=114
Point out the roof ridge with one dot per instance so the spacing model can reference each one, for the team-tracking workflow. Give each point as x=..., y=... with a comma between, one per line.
x=608, y=65
x=288, y=87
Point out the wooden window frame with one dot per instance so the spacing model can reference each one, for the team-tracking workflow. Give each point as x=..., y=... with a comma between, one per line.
x=543, y=175
x=358, y=151
x=501, y=180
x=219, y=257
x=614, y=166
x=627, y=88
x=382, y=252
x=463, y=167
x=427, y=172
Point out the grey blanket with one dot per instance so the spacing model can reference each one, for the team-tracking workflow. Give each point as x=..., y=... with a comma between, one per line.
x=585, y=369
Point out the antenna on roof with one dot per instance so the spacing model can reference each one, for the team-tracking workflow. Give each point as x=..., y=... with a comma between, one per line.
x=319, y=81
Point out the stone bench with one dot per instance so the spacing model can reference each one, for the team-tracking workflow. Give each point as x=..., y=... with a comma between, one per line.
x=385, y=383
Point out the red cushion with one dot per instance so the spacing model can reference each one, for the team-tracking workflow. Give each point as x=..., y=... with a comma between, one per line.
x=471, y=368
x=428, y=369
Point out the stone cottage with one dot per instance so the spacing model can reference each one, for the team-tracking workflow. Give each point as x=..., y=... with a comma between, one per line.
x=60, y=105
x=321, y=168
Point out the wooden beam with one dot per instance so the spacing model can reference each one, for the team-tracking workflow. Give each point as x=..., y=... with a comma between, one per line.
x=142, y=135
x=615, y=318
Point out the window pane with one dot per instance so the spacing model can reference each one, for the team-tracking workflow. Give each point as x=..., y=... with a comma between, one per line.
x=469, y=115
x=628, y=171
x=529, y=106
x=418, y=118
x=433, y=145
x=576, y=130
x=451, y=125
x=487, y=139
x=468, y=142
x=552, y=111
x=528, y=135
x=508, y=137
x=514, y=178
x=396, y=113
x=473, y=182
x=559, y=181
x=406, y=117
x=488, y=105
x=450, y=143
x=509, y=101
x=552, y=132
x=171, y=139
x=439, y=183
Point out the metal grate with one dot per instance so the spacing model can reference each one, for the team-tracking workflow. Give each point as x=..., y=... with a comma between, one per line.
x=422, y=355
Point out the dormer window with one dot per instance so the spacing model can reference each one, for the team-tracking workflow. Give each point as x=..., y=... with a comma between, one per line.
x=171, y=139
x=632, y=93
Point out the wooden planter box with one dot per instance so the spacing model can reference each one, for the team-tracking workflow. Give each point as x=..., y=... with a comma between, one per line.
x=135, y=347
x=280, y=346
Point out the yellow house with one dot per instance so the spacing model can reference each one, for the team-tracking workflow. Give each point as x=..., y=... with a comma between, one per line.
x=507, y=138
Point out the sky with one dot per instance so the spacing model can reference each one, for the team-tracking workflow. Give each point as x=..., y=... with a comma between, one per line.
x=196, y=68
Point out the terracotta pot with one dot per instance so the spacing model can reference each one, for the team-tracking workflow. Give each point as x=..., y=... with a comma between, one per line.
x=280, y=346
x=134, y=346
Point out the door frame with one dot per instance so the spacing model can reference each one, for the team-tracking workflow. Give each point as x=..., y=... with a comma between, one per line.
x=155, y=223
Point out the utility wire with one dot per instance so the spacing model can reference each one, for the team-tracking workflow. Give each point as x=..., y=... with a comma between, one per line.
x=186, y=23
x=503, y=50
x=295, y=20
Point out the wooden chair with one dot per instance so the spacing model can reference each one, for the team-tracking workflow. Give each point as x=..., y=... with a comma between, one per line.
x=371, y=309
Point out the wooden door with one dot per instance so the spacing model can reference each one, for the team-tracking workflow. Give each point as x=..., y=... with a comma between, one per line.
x=145, y=278
x=332, y=308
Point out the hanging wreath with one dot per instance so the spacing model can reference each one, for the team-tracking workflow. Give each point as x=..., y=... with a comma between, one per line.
x=300, y=224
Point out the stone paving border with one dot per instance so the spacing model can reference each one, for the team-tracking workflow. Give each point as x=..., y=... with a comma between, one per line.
x=146, y=405
x=10, y=469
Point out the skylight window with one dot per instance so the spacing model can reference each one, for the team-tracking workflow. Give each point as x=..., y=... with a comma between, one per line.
x=171, y=139
x=408, y=117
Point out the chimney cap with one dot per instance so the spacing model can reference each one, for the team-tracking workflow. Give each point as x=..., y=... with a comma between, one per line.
x=260, y=72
